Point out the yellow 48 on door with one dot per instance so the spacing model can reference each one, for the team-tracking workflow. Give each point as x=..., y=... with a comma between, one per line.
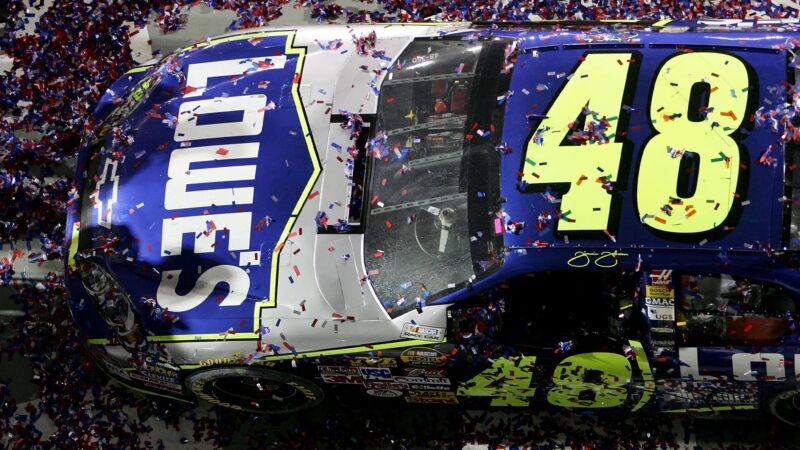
x=598, y=89
x=585, y=380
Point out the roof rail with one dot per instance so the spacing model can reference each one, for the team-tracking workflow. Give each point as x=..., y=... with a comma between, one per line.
x=567, y=23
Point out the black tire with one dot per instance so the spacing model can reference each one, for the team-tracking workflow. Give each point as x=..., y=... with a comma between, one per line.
x=784, y=405
x=255, y=389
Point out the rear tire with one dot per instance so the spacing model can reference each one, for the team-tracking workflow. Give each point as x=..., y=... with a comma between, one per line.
x=255, y=389
x=784, y=405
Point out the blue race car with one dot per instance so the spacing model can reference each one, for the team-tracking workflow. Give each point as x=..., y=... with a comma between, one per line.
x=276, y=215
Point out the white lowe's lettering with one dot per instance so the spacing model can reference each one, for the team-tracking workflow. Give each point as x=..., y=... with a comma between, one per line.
x=178, y=195
x=181, y=175
x=198, y=74
x=252, y=107
x=237, y=279
x=237, y=225
x=744, y=366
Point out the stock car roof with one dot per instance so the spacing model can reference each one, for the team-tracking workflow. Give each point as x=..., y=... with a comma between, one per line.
x=275, y=182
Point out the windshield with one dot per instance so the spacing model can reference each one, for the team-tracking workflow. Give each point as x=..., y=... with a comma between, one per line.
x=433, y=174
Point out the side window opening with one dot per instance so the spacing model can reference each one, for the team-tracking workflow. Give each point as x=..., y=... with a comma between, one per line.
x=355, y=199
x=545, y=310
x=720, y=309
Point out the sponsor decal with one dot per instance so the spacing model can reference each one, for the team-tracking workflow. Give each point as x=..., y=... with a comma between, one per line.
x=666, y=302
x=368, y=384
x=423, y=380
x=386, y=393
x=660, y=308
x=342, y=379
x=159, y=371
x=659, y=292
x=108, y=362
x=338, y=370
x=204, y=195
x=743, y=365
x=423, y=356
x=376, y=373
x=429, y=387
x=661, y=330
x=425, y=372
x=445, y=398
x=218, y=361
x=663, y=343
x=385, y=385
x=159, y=375
x=421, y=332
x=696, y=393
x=368, y=361
x=660, y=277
x=157, y=383
x=106, y=193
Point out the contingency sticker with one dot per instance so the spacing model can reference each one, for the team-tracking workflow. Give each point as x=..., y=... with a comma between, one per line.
x=423, y=356
x=440, y=397
x=660, y=308
x=413, y=331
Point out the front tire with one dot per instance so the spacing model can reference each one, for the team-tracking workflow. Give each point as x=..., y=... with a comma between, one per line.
x=255, y=389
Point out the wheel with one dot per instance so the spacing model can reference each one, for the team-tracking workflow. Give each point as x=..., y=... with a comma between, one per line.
x=784, y=404
x=255, y=389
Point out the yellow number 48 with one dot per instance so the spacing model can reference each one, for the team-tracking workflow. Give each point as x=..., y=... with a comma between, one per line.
x=586, y=156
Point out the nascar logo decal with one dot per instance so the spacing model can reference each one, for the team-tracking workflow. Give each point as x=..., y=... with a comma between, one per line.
x=228, y=195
